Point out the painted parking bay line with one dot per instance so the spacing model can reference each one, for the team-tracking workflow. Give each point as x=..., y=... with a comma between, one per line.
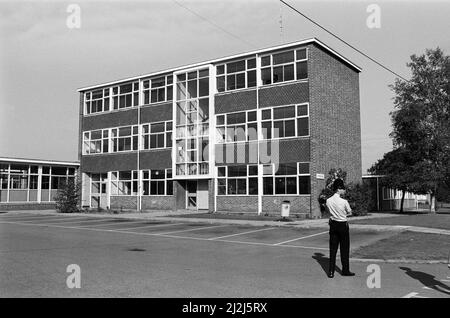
x=106, y=221
x=148, y=225
x=195, y=229
x=248, y=232
x=300, y=238
x=153, y=234
x=55, y=219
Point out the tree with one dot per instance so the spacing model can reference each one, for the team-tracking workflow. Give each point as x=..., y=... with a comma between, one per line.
x=397, y=168
x=358, y=195
x=67, y=197
x=421, y=119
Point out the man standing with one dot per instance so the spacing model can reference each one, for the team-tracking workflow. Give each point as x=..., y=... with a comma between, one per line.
x=339, y=232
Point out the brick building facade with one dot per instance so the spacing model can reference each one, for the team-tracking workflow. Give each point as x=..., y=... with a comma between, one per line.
x=235, y=134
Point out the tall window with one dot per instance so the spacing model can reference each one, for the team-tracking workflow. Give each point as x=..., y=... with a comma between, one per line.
x=157, y=182
x=237, y=180
x=125, y=138
x=157, y=135
x=96, y=101
x=96, y=141
x=285, y=66
x=192, y=123
x=240, y=126
x=236, y=75
x=285, y=121
x=158, y=89
x=286, y=178
x=125, y=95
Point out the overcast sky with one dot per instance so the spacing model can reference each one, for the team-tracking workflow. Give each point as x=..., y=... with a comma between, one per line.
x=43, y=62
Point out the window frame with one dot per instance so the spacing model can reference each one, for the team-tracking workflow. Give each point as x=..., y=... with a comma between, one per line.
x=273, y=177
x=166, y=133
x=271, y=66
x=225, y=126
x=227, y=178
x=272, y=121
x=245, y=71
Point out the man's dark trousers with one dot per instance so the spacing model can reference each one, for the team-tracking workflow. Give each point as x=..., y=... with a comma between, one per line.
x=339, y=235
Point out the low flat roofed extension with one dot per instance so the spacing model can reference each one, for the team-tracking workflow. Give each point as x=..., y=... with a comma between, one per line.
x=32, y=183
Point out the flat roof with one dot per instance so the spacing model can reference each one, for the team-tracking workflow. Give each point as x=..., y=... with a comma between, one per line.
x=264, y=50
x=39, y=161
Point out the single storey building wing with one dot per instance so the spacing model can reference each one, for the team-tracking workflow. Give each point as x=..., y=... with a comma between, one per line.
x=32, y=183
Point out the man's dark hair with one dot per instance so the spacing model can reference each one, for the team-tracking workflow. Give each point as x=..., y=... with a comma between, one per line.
x=338, y=184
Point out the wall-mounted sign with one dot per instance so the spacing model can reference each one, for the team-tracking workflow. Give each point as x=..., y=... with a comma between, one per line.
x=320, y=176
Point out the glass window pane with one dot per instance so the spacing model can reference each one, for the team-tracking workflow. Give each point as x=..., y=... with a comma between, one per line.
x=266, y=129
x=289, y=72
x=155, y=128
x=302, y=70
x=252, y=186
x=251, y=78
x=265, y=60
x=278, y=129
x=280, y=185
x=221, y=83
x=242, y=186
x=291, y=185
x=304, y=185
x=277, y=74
x=266, y=76
x=302, y=110
x=220, y=69
x=251, y=63
x=284, y=57
x=303, y=126
x=301, y=54
x=235, y=66
x=268, y=185
x=289, y=128
x=203, y=89
x=237, y=171
x=236, y=118
x=303, y=167
x=284, y=112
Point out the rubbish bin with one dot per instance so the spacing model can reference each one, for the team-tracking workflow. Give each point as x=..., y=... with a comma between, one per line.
x=285, y=208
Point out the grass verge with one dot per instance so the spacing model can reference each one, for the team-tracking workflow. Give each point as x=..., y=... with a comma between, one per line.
x=437, y=221
x=408, y=245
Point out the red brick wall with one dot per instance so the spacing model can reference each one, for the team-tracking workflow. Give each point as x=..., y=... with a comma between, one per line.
x=335, y=120
x=158, y=202
x=124, y=202
x=299, y=204
x=235, y=203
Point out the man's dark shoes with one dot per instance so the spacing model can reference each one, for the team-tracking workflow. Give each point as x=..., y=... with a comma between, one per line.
x=348, y=273
x=330, y=274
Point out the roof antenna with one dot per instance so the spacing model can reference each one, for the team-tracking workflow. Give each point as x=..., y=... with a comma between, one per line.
x=281, y=23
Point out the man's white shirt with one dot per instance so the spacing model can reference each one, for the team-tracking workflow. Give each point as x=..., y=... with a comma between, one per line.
x=338, y=207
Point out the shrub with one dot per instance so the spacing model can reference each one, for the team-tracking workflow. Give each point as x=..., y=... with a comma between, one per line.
x=358, y=195
x=67, y=197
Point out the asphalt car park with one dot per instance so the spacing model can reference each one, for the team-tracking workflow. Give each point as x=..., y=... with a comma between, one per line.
x=158, y=258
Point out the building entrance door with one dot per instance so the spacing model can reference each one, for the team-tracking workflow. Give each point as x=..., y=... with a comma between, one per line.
x=191, y=195
x=197, y=195
x=99, y=190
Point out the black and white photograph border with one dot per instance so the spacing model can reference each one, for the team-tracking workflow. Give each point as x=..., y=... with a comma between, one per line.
x=227, y=154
